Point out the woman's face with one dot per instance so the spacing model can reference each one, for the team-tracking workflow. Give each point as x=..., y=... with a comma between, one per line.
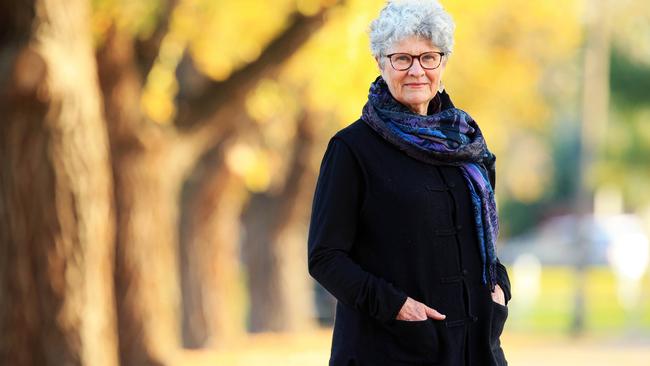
x=413, y=87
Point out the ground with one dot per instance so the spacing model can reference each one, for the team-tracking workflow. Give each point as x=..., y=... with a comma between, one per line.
x=312, y=349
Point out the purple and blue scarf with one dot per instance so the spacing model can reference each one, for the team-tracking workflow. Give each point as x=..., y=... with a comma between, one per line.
x=445, y=137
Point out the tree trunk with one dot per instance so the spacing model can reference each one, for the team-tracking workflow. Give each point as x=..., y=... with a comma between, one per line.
x=212, y=287
x=147, y=184
x=273, y=246
x=56, y=233
x=148, y=170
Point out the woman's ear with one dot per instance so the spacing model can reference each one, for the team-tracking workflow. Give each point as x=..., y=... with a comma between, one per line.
x=444, y=63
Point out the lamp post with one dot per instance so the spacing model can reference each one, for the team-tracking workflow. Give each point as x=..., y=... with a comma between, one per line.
x=595, y=108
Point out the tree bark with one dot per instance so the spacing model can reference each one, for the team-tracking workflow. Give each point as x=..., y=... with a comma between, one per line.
x=147, y=186
x=56, y=217
x=212, y=285
x=270, y=261
x=149, y=164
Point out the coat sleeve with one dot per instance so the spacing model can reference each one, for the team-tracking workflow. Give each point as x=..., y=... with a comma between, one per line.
x=335, y=211
x=503, y=280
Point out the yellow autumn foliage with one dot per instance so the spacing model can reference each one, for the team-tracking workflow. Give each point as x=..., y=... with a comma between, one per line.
x=503, y=50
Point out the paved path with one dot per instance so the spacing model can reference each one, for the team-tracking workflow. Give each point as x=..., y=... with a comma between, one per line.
x=312, y=349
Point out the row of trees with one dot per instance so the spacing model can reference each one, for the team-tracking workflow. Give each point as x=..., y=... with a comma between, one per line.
x=109, y=218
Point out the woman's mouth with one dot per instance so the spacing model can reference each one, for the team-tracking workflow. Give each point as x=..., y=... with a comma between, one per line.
x=416, y=85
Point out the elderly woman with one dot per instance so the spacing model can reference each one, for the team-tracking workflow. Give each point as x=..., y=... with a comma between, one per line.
x=404, y=222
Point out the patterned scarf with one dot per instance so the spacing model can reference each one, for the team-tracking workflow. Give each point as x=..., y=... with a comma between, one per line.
x=446, y=137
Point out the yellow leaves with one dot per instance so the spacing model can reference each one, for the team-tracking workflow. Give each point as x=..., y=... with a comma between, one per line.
x=189, y=17
x=275, y=107
x=232, y=33
x=222, y=36
x=137, y=18
x=102, y=17
x=308, y=7
x=503, y=50
x=211, y=64
x=157, y=98
x=631, y=19
x=251, y=164
x=269, y=101
x=335, y=65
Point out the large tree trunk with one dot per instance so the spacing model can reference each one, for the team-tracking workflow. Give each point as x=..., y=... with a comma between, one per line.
x=148, y=169
x=147, y=186
x=56, y=233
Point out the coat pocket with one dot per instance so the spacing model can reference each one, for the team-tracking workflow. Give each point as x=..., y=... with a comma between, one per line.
x=498, y=321
x=499, y=316
x=413, y=341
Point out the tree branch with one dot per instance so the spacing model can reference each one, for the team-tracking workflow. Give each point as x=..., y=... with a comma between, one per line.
x=194, y=111
x=299, y=166
x=147, y=49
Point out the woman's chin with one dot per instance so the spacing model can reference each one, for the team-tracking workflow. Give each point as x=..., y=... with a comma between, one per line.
x=417, y=100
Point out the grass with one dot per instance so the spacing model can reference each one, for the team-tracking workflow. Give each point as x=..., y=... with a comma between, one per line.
x=551, y=309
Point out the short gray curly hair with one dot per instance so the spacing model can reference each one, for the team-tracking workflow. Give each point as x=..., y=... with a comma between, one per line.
x=401, y=19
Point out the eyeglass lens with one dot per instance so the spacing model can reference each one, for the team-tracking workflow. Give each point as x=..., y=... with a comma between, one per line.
x=403, y=61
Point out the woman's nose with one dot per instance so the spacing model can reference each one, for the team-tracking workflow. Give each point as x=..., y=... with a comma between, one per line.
x=416, y=69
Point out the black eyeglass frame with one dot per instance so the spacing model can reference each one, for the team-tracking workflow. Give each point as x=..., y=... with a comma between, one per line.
x=413, y=57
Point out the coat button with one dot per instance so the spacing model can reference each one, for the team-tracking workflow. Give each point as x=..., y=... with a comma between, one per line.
x=452, y=184
x=459, y=227
x=475, y=318
x=464, y=271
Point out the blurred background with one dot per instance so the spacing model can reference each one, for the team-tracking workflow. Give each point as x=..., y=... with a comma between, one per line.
x=158, y=160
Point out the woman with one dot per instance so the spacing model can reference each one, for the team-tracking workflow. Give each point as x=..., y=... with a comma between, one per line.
x=404, y=222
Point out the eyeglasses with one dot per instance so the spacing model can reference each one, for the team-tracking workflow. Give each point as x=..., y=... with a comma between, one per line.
x=404, y=61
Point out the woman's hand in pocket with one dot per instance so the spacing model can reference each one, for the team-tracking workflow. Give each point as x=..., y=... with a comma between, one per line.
x=413, y=310
x=498, y=296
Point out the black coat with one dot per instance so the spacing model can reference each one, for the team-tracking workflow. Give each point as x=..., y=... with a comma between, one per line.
x=385, y=226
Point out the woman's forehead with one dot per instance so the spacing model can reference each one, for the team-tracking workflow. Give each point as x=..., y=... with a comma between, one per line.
x=413, y=45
